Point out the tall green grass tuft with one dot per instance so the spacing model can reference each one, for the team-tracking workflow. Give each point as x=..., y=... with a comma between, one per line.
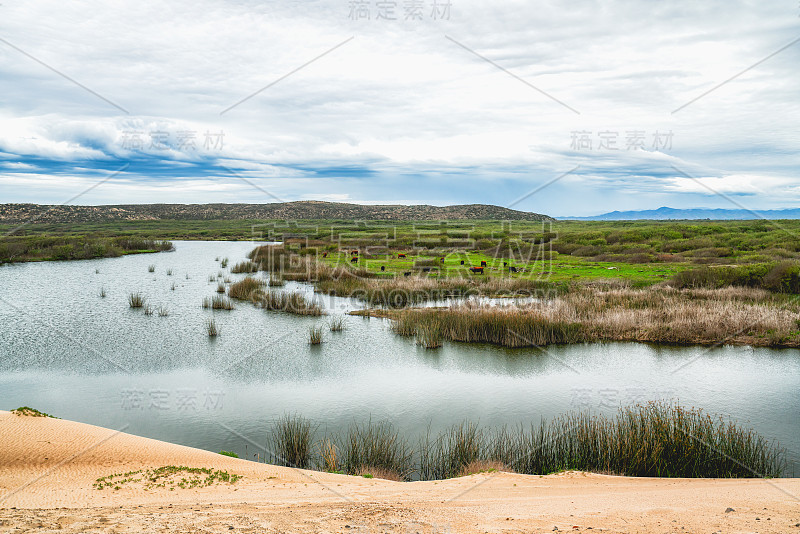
x=375, y=446
x=291, y=441
x=657, y=439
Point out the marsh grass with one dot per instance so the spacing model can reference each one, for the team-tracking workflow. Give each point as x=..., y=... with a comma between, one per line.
x=315, y=335
x=211, y=328
x=375, y=447
x=163, y=311
x=336, y=324
x=244, y=267
x=217, y=302
x=102, y=292
x=212, y=278
x=291, y=441
x=136, y=300
x=292, y=302
x=173, y=286
x=245, y=289
x=698, y=316
x=276, y=281
x=224, y=263
x=220, y=287
x=657, y=439
x=169, y=272
x=148, y=309
x=151, y=268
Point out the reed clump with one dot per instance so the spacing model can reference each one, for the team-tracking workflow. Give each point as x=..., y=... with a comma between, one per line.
x=217, y=302
x=211, y=328
x=336, y=324
x=315, y=335
x=244, y=267
x=245, y=289
x=697, y=316
x=136, y=300
x=657, y=439
x=291, y=441
x=294, y=302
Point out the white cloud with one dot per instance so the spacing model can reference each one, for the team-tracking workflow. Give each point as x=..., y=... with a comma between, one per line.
x=402, y=99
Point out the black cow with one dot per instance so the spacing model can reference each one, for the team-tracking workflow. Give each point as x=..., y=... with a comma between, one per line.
x=407, y=273
x=512, y=269
x=462, y=262
x=483, y=264
x=324, y=254
x=354, y=260
x=505, y=264
x=383, y=267
x=476, y=270
x=401, y=255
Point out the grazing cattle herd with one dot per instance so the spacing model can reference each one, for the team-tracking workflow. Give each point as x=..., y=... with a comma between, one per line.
x=472, y=269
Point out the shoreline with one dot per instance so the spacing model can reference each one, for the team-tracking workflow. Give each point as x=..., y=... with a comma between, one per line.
x=48, y=466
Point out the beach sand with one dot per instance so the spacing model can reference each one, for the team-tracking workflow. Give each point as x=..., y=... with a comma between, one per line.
x=48, y=467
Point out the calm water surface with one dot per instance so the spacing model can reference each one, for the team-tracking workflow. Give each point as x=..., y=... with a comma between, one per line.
x=69, y=352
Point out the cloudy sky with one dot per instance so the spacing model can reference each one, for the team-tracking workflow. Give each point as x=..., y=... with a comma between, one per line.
x=565, y=108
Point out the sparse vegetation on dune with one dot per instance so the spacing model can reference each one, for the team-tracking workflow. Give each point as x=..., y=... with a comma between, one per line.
x=26, y=411
x=706, y=317
x=653, y=440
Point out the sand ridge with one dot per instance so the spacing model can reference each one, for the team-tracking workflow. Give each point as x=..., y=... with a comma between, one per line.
x=48, y=467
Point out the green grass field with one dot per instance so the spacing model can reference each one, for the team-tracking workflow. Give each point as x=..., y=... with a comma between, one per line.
x=643, y=252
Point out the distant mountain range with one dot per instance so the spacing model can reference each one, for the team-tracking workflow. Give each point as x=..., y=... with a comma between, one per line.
x=19, y=213
x=691, y=213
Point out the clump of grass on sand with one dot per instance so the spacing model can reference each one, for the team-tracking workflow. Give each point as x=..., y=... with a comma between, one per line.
x=169, y=476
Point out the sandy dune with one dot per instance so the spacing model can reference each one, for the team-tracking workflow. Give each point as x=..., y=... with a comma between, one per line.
x=48, y=466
